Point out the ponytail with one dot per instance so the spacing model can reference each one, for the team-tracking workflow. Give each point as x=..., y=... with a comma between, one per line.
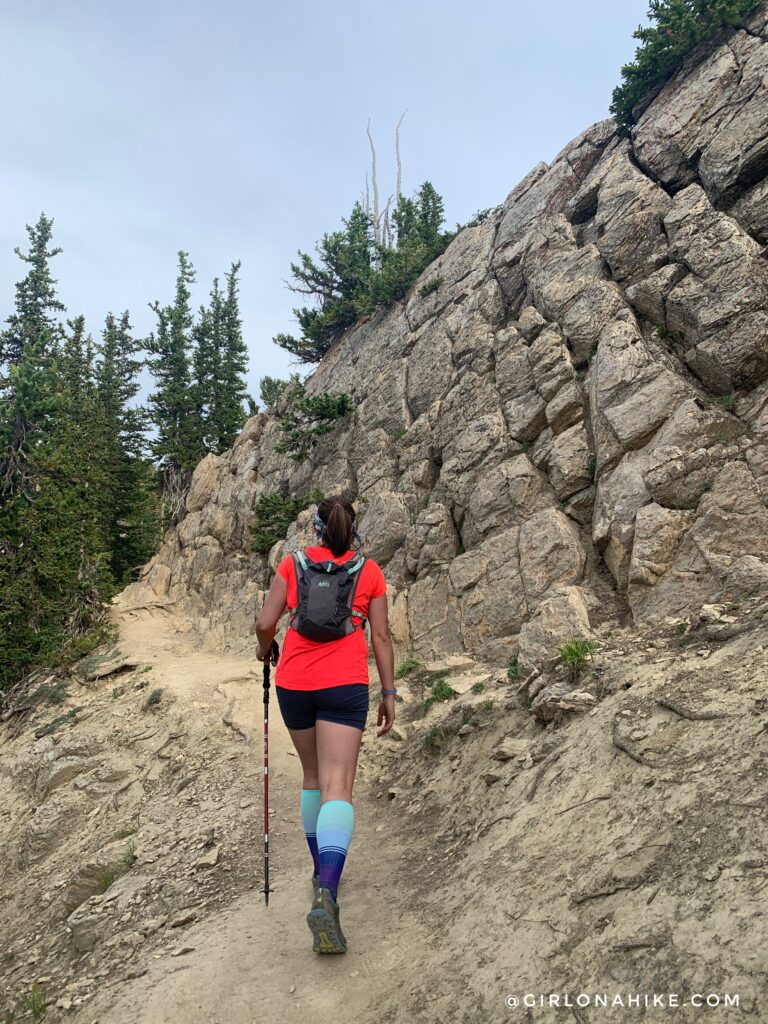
x=338, y=517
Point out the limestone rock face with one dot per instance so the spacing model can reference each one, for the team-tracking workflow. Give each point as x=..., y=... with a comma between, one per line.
x=583, y=398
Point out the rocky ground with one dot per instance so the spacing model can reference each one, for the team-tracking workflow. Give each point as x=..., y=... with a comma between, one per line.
x=616, y=843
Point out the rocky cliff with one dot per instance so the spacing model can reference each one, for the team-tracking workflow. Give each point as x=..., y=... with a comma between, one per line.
x=571, y=427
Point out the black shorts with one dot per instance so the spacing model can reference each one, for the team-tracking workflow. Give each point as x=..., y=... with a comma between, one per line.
x=347, y=705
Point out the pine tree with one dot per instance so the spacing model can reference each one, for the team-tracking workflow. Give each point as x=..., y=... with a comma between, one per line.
x=677, y=28
x=132, y=486
x=229, y=414
x=27, y=348
x=36, y=301
x=355, y=272
x=54, y=574
x=208, y=338
x=172, y=404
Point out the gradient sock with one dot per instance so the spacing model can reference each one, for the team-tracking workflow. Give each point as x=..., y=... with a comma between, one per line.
x=334, y=833
x=310, y=808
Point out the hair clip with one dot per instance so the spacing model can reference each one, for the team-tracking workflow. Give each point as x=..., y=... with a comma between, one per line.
x=319, y=525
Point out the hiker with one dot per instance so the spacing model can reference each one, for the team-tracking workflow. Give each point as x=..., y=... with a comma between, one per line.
x=321, y=683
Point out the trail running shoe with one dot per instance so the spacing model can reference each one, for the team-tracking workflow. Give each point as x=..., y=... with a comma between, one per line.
x=323, y=921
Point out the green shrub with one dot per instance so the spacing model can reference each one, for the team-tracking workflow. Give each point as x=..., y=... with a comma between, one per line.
x=441, y=691
x=592, y=467
x=153, y=699
x=431, y=286
x=406, y=667
x=435, y=738
x=677, y=28
x=574, y=653
x=51, y=727
x=479, y=217
x=129, y=856
x=271, y=390
x=478, y=687
x=353, y=273
x=513, y=669
x=307, y=417
x=274, y=513
x=728, y=402
x=47, y=694
x=37, y=1001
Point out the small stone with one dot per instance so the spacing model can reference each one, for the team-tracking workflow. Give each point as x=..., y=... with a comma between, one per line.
x=182, y=950
x=182, y=918
x=209, y=859
x=466, y=729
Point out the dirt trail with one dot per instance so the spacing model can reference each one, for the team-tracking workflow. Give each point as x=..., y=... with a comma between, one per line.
x=249, y=962
x=618, y=850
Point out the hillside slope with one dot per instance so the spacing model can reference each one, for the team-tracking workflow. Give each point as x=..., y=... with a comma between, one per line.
x=568, y=436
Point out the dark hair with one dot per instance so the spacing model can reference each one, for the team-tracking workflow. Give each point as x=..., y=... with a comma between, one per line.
x=339, y=518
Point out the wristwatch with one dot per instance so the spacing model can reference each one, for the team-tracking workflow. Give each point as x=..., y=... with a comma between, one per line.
x=389, y=693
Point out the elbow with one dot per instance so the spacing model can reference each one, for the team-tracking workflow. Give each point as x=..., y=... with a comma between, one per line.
x=381, y=635
x=262, y=626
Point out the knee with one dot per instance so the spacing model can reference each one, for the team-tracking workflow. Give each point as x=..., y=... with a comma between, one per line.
x=336, y=789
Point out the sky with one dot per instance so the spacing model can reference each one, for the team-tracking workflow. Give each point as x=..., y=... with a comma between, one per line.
x=237, y=130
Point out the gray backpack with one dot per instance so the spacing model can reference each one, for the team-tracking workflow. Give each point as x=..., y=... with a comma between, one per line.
x=325, y=592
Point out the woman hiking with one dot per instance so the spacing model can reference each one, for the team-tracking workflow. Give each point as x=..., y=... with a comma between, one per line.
x=322, y=689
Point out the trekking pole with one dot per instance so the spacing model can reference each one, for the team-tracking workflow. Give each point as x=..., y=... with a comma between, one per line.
x=274, y=653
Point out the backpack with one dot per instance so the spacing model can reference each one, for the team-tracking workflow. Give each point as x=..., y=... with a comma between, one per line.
x=325, y=592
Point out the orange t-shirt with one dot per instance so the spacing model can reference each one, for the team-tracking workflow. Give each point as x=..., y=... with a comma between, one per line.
x=313, y=665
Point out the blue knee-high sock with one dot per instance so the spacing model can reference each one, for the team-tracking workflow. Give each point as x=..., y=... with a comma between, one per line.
x=334, y=833
x=310, y=808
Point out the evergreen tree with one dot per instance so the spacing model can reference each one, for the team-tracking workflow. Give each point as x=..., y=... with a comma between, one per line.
x=33, y=319
x=677, y=28
x=206, y=360
x=133, y=512
x=53, y=574
x=229, y=413
x=177, y=442
x=354, y=273
x=27, y=348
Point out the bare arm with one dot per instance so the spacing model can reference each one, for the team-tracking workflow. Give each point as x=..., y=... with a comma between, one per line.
x=383, y=652
x=266, y=624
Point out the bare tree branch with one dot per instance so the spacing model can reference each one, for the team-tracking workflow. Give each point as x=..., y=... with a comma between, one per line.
x=386, y=227
x=397, y=153
x=374, y=182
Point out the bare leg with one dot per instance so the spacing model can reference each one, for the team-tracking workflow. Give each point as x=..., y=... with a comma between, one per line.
x=338, y=747
x=305, y=742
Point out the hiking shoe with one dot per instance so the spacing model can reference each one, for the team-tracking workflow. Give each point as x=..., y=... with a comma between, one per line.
x=323, y=921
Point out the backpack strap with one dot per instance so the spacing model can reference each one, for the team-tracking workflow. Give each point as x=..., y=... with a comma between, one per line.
x=354, y=570
x=299, y=565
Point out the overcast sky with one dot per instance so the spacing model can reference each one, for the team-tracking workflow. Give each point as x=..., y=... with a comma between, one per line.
x=236, y=130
